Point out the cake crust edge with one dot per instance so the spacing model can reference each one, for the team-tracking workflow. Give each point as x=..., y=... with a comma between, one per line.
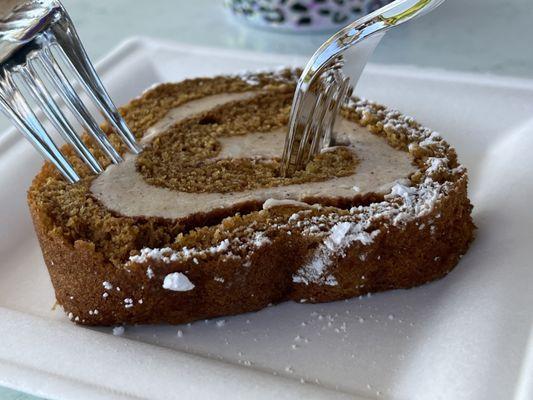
x=402, y=258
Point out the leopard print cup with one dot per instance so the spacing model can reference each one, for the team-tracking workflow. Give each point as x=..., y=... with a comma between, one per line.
x=303, y=15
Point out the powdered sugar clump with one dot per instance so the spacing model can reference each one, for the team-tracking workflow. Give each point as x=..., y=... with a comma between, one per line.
x=417, y=202
x=403, y=191
x=432, y=139
x=118, y=330
x=177, y=282
x=345, y=233
x=128, y=302
x=436, y=164
x=260, y=239
x=223, y=246
x=149, y=273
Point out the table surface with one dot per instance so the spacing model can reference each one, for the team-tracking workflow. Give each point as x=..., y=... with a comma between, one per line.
x=460, y=35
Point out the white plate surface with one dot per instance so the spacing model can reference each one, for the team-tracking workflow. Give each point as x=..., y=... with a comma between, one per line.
x=468, y=336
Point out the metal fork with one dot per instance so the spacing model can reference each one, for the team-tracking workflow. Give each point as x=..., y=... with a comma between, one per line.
x=39, y=47
x=331, y=76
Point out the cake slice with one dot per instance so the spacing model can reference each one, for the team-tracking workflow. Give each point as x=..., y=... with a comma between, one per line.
x=201, y=224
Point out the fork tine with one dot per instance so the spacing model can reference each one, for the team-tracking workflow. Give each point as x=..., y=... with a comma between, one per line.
x=340, y=99
x=16, y=108
x=70, y=49
x=304, y=145
x=290, y=139
x=313, y=125
x=318, y=122
x=333, y=111
x=76, y=106
x=42, y=96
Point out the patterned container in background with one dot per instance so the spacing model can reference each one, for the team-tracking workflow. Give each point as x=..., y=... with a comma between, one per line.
x=303, y=15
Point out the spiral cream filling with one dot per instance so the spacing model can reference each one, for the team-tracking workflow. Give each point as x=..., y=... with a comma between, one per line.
x=122, y=189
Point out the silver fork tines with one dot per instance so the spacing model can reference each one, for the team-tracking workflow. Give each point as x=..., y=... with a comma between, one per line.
x=35, y=56
x=331, y=76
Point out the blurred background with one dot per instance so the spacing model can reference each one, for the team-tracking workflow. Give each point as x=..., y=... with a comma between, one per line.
x=470, y=35
x=480, y=36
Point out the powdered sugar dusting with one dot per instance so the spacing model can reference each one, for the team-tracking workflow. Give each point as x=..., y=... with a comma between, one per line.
x=165, y=254
x=168, y=255
x=342, y=235
x=404, y=203
x=339, y=232
x=281, y=74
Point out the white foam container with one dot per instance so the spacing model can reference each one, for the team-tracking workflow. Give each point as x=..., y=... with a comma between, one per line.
x=468, y=336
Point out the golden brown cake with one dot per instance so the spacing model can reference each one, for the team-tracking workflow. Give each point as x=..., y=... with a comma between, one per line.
x=201, y=224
